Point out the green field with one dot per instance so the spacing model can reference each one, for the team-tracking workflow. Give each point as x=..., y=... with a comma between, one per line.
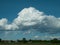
x=30, y=43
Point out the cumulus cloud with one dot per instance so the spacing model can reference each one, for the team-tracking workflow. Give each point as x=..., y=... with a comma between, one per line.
x=36, y=36
x=3, y=21
x=32, y=19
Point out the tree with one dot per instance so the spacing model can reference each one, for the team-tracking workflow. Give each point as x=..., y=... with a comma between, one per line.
x=0, y=39
x=55, y=40
x=18, y=40
x=24, y=40
x=30, y=40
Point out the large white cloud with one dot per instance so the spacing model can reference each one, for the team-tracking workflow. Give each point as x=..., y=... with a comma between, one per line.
x=32, y=19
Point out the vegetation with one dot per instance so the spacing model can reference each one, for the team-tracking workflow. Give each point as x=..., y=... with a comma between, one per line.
x=30, y=42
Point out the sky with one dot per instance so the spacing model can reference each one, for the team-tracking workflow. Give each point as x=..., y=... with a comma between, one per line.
x=33, y=19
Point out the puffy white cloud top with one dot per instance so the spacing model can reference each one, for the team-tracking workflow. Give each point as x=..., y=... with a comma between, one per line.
x=32, y=19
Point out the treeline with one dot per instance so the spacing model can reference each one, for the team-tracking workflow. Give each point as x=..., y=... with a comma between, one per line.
x=30, y=41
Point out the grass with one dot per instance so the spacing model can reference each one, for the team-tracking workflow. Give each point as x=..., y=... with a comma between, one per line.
x=29, y=43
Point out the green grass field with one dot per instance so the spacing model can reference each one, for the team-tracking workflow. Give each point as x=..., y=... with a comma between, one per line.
x=30, y=43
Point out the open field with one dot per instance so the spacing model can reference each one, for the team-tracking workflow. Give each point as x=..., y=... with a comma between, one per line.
x=32, y=43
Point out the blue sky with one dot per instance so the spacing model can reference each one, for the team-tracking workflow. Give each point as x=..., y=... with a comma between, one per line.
x=10, y=8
